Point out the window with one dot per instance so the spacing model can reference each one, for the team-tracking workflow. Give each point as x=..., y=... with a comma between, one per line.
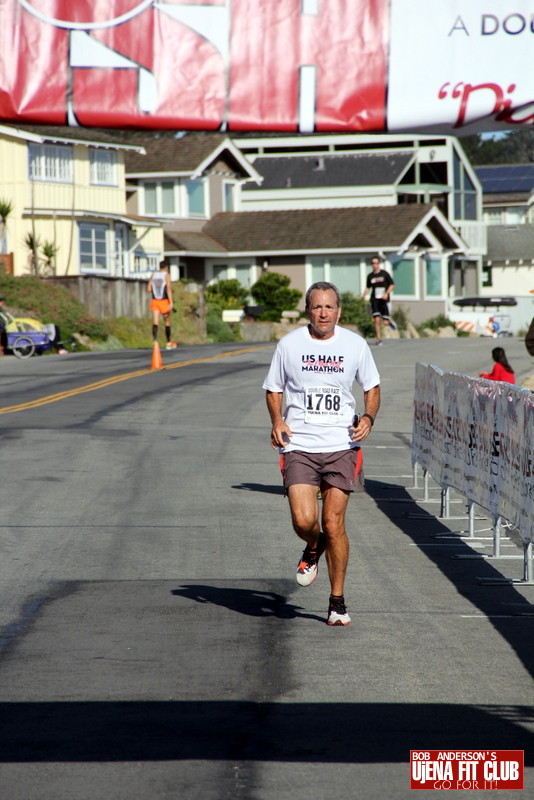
x=151, y=204
x=220, y=272
x=342, y=272
x=345, y=274
x=403, y=275
x=159, y=198
x=515, y=216
x=465, y=195
x=317, y=270
x=167, y=197
x=93, y=246
x=433, y=277
x=487, y=276
x=103, y=166
x=493, y=217
x=47, y=162
x=195, y=197
x=242, y=274
x=228, y=197
x=146, y=262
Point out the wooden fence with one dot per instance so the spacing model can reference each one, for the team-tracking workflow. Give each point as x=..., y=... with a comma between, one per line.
x=108, y=297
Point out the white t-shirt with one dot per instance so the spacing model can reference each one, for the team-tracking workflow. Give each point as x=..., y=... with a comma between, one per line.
x=316, y=377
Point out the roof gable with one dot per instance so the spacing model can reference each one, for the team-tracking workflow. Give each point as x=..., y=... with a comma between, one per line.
x=351, y=169
x=189, y=155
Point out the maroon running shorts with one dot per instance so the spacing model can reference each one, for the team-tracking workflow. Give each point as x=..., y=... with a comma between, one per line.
x=342, y=469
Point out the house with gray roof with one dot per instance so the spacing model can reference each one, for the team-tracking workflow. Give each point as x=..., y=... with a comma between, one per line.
x=508, y=201
x=317, y=207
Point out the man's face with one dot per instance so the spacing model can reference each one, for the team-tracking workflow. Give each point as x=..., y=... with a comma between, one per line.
x=323, y=313
x=375, y=263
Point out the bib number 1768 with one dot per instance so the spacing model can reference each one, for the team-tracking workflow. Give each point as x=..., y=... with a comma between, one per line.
x=323, y=406
x=323, y=402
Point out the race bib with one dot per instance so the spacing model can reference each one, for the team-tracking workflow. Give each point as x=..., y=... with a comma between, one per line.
x=379, y=292
x=323, y=405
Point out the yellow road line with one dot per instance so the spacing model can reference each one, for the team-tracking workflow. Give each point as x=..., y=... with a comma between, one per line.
x=91, y=387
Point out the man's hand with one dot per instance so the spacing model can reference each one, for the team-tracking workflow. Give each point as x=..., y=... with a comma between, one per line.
x=362, y=430
x=280, y=434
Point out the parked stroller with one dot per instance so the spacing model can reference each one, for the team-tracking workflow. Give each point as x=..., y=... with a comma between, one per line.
x=26, y=336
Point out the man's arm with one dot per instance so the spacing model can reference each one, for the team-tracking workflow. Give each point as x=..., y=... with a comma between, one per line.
x=389, y=288
x=149, y=284
x=371, y=400
x=169, y=287
x=280, y=432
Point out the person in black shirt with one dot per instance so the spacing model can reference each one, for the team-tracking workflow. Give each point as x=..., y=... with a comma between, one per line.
x=381, y=285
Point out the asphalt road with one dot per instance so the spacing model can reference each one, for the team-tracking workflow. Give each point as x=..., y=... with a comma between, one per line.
x=153, y=641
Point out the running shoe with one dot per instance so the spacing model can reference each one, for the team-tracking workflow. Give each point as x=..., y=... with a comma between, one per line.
x=337, y=612
x=171, y=346
x=392, y=325
x=309, y=563
x=378, y=341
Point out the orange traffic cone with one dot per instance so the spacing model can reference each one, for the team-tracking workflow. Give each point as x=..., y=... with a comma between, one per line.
x=157, y=363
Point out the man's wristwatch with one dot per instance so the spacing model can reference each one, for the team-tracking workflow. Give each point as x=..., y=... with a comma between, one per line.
x=369, y=416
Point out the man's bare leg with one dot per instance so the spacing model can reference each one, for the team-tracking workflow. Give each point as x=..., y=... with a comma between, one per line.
x=377, y=326
x=305, y=512
x=337, y=542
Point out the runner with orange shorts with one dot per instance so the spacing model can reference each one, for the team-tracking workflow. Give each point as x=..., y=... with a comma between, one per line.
x=160, y=287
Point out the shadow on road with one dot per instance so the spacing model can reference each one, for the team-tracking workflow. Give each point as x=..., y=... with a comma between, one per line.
x=345, y=733
x=260, y=487
x=502, y=604
x=244, y=601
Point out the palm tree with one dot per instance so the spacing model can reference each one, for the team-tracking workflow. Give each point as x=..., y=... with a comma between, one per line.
x=33, y=244
x=6, y=207
x=49, y=251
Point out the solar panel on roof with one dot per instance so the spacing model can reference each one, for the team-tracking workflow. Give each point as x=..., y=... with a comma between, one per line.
x=507, y=178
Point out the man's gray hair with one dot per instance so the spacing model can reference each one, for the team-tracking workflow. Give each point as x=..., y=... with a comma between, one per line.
x=322, y=286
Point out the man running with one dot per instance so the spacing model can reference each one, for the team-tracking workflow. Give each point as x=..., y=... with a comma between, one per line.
x=380, y=282
x=318, y=434
x=160, y=287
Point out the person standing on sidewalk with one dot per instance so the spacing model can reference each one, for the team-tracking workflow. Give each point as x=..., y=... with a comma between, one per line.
x=160, y=287
x=380, y=282
x=318, y=434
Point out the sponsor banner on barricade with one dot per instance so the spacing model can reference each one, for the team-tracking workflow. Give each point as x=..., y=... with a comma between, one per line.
x=477, y=437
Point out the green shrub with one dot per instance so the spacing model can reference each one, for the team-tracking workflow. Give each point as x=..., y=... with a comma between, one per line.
x=355, y=311
x=273, y=293
x=227, y=294
x=435, y=323
x=216, y=329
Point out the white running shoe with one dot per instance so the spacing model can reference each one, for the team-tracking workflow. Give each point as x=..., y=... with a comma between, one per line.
x=309, y=563
x=337, y=612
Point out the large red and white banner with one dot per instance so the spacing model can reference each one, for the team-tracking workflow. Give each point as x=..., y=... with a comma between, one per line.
x=280, y=65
